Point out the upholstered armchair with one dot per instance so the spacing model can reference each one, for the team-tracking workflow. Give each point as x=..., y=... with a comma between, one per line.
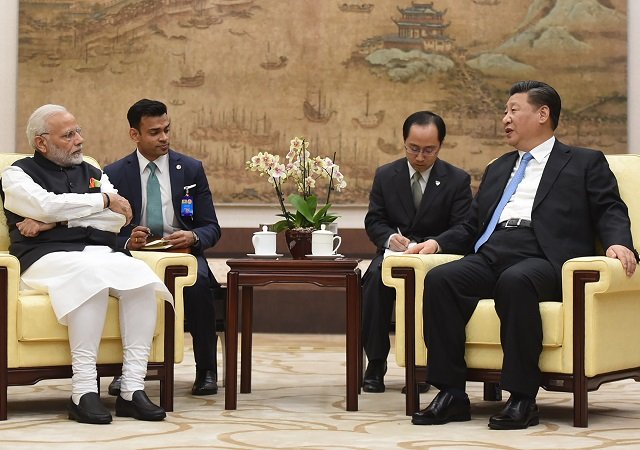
x=35, y=347
x=591, y=338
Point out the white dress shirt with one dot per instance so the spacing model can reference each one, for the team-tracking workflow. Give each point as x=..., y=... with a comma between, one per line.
x=520, y=204
x=425, y=176
x=168, y=214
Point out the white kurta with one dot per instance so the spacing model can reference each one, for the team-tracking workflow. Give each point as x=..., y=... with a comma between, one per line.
x=71, y=278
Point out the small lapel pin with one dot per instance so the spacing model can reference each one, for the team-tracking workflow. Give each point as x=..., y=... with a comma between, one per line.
x=178, y=167
x=437, y=183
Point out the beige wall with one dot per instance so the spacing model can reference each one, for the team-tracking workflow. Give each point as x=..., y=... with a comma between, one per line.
x=250, y=217
x=8, y=73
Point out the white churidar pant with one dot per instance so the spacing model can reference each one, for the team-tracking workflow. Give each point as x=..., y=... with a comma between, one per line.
x=79, y=285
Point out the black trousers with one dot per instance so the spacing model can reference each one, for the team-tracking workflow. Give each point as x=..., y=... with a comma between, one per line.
x=511, y=269
x=377, y=307
x=200, y=315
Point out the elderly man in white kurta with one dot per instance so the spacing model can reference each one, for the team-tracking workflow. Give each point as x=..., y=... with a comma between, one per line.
x=63, y=216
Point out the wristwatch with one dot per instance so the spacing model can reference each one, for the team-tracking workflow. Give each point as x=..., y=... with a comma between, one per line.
x=196, y=239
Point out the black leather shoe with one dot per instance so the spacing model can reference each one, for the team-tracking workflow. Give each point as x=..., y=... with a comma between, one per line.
x=422, y=388
x=206, y=383
x=140, y=407
x=374, y=376
x=443, y=408
x=89, y=410
x=114, y=386
x=516, y=415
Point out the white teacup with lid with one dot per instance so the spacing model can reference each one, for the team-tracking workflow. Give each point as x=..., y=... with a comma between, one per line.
x=323, y=241
x=264, y=242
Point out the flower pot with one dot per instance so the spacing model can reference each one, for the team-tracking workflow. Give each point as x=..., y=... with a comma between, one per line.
x=299, y=242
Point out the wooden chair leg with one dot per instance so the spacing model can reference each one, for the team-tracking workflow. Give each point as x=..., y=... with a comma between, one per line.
x=580, y=407
x=4, y=357
x=413, y=393
x=3, y=401
x=492, y=392
x=580, y=393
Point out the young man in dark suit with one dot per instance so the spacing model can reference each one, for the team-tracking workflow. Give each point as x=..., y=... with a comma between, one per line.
x=537, y=206
x=170, y=197
x=412, y=199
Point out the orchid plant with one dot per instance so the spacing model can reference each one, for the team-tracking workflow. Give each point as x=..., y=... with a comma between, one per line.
x=305, y=172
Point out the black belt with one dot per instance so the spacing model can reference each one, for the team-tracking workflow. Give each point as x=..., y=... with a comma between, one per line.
x=515, y=223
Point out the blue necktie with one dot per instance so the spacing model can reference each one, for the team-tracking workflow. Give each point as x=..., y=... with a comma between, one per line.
x=506, y=195
x=154, y=202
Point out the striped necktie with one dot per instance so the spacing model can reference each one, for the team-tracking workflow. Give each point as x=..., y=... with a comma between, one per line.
x=506, y=195
x=154, y=202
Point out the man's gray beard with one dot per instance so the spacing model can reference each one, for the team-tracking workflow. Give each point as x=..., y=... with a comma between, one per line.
x=64, y=159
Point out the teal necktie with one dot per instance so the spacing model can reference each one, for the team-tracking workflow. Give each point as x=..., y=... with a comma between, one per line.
x=154, y=202
x=508, y=192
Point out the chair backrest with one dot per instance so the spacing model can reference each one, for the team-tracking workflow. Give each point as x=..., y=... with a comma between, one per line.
x=6, y=159
x=626, y=169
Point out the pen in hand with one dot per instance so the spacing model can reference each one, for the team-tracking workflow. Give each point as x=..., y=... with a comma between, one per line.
x=400, y=242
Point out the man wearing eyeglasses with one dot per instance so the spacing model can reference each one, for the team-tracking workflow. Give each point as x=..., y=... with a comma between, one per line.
x=412, y=199
x=64, y=216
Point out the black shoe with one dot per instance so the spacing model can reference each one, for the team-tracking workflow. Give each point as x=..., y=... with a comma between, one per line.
x=89, y=410
x=516, y=415
x=443, y=408
x=114, y=386
x=374, y=376
x=206, y=383
x=140, y=407
x=422, y=388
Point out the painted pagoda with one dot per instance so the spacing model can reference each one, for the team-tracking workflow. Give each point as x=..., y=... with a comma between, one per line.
x=421, y=27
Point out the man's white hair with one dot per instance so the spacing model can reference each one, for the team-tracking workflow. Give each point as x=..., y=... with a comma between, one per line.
x=37, y=123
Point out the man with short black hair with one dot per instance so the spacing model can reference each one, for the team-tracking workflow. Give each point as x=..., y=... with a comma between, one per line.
x=412, y=199
x=171, y=200
x=537, y=207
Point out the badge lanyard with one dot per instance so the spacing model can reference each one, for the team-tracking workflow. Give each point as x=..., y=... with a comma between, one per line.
x=186, y=205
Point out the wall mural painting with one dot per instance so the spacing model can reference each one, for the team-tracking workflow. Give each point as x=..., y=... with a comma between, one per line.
x=241, y=76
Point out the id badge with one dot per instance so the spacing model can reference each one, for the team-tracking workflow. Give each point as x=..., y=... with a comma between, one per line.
x=186, y=205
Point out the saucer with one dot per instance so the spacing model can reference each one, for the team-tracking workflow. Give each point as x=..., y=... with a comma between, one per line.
x=259, y=256
x=333, y=256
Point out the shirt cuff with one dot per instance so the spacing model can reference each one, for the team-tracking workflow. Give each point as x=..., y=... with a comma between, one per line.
x=98, y=199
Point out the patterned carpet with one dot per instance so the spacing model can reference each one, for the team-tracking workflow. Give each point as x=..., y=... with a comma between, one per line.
x=298, y=402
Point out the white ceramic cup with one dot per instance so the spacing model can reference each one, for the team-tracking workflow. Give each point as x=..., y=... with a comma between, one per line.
x=264, y=242
x=323, y=242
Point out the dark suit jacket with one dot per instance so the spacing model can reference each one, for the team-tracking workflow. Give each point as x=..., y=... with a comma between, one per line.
x=576, y=203
x=445, y=202
x=183, y=171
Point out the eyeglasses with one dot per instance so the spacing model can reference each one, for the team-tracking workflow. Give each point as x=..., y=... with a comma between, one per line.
x=69, y=135
x=415, y=150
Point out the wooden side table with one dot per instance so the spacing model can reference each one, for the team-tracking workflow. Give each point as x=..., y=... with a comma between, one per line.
x=247, y=273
